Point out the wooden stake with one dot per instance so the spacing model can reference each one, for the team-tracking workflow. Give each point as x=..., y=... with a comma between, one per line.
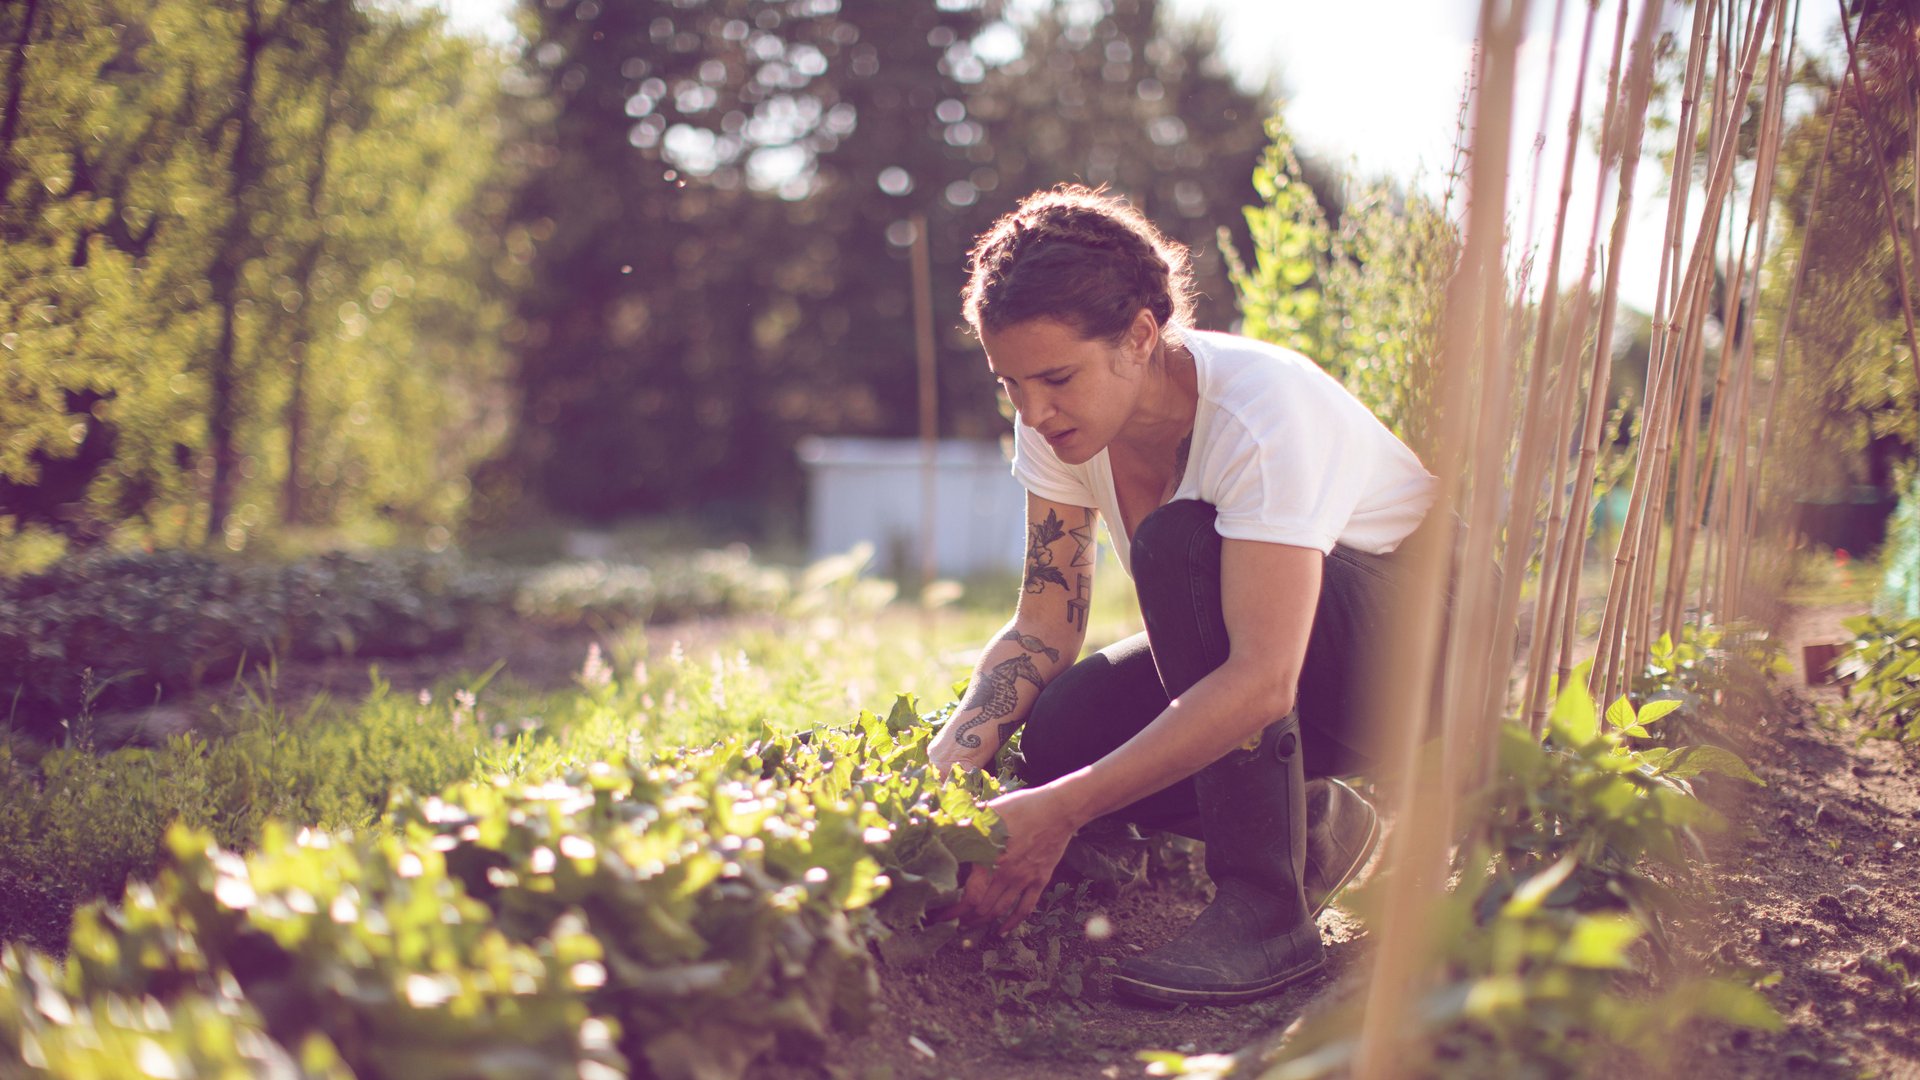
x=929, y=404
x=1417, y=851
x=1519, y=547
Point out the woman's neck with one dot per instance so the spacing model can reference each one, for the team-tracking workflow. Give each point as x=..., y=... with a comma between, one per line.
x=1164, y=413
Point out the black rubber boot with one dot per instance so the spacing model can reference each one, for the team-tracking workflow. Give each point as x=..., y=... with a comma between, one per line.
x=1343, y=828
x=1257, y=935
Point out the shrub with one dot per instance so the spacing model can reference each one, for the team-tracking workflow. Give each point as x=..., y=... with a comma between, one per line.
x=148, y=625
x=124, y=631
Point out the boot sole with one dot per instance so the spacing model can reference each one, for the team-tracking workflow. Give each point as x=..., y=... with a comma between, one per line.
x=1183, y=995
x=1359, y=863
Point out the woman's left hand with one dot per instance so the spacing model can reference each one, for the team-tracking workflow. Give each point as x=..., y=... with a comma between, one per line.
x=1038, y=828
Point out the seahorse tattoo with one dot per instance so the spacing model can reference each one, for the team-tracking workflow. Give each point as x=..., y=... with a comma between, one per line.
x=1033, y=644
x=1040, y=568
x=996, y=697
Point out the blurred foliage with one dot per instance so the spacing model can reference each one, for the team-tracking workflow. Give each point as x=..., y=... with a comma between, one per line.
x=1900, y=559
x=121, y=631
x=1882, y=664
x=719, y=208
x=1361, y=298
x=246, y=275
x=1851, y=408
x=109, y=632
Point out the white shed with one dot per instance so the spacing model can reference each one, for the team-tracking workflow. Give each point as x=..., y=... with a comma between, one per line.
x=870, y=490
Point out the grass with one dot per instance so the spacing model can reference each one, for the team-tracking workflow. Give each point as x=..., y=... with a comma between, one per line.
x=80, y=824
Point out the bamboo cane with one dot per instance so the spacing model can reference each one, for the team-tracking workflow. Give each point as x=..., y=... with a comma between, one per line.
x=1679, y=186
x=1768, y=426
x=1667, y=292
x=1625, y=556
x=1417, y=850
x=1766, y=160
x=1526, y=484
x=1617, y=643
x=1573, y=534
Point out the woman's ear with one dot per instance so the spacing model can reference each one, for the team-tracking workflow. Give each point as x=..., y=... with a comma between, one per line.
x=1143, y=336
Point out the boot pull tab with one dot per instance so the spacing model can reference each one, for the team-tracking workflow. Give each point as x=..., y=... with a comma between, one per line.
x=1287, y=737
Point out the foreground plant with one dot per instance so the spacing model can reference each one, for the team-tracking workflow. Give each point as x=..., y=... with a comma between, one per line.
x=681, y=917
x=1550, y=949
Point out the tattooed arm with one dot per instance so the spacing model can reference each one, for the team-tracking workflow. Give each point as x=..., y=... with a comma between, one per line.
x=1044, y=638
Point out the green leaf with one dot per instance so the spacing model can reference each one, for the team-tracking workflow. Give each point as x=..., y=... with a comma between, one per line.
x=1601, y=941
x=1575, y=720
x=1694, y=760
x=1620, y=713
x=1529, y=896
x=1656, y=710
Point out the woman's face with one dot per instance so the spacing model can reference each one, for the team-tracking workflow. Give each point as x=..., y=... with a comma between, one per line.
x=1076, y=393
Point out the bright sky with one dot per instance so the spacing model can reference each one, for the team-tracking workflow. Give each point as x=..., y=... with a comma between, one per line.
x=1375, y=85
x=1389, y=108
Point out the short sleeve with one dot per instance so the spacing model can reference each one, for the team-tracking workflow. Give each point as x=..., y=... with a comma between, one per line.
x=1278, y=477
x=1041, y=473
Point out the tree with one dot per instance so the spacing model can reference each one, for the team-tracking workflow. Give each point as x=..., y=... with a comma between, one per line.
x=224, y=219
x=725, y=198
x=1848, y=390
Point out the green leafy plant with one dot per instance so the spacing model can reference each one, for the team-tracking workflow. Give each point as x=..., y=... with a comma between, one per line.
x=692, y=912
x=1882, y=665
x=1550, y=947
x=1713, y=672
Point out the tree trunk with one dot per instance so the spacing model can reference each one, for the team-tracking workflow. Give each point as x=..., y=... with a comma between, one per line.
x=291, y=511
x=16, y=90
x=236, y=246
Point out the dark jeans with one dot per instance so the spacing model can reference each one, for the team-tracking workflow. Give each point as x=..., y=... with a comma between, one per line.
x=1102, y=701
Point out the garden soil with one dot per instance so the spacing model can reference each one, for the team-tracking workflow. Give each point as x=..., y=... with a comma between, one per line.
x=1817, y=879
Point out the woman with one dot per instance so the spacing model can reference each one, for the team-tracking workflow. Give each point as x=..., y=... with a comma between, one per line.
x=1257, y=505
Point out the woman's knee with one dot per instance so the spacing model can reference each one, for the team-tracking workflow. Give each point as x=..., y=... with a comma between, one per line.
x=1091, y=708
x=1168, y=533
x=1048, y=741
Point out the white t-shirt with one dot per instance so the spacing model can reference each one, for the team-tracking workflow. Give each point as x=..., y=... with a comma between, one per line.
x=1284, y=452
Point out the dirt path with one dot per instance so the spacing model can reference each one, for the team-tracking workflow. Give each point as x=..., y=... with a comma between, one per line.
x=1818, y=879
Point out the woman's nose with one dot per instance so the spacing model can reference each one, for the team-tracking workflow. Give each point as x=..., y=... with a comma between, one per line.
x=1033, y=408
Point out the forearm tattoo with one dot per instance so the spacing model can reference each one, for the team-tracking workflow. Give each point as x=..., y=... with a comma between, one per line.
x=1040, y=568
x=996, y=697
x=1042, y=571
x=1033, y=644
x=1083, y=541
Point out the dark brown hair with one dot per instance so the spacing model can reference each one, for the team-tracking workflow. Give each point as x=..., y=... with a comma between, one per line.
x=1082, y=257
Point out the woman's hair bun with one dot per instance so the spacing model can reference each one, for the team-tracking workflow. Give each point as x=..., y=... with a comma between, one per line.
x=1080, y=256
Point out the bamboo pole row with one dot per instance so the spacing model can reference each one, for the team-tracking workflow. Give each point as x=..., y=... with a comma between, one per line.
x=1609, y=674
x=1536, y=434
x=1555, y=607
x=1547, y=385
x=1552, y=385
